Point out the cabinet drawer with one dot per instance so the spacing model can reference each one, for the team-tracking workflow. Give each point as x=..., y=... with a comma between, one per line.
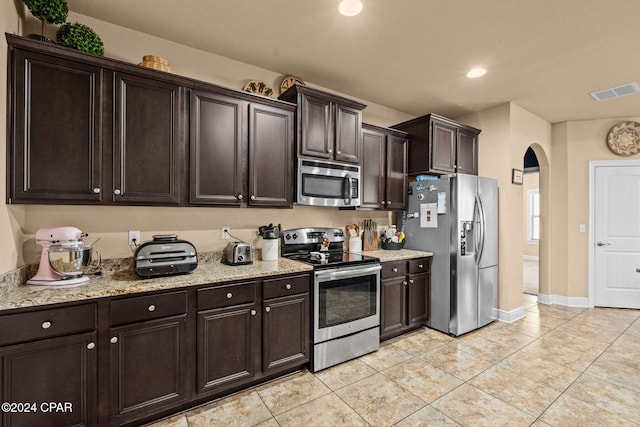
x=393, y=269
x=15, y=328
x=421, y=265
x=283, y=286
x=148, y=307
x=225, y=295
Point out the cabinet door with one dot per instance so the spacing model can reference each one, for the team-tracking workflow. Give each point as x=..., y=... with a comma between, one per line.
x=348, y=134
x=396, y=184
x=56, y=144
x=467, y=151
x=217, y=139
x=270, y=156
x=443, y=147
x=418, y=304
x=285, y=333
x=315, y=124
x=373, y=169
x=147, y=150
x=55, y=370
x=392, y=305
x=147, y=368
x=228, y=346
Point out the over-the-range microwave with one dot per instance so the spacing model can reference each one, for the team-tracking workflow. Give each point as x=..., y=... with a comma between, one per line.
x=323, y=183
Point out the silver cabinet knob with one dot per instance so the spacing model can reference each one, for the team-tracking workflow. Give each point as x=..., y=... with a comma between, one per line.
x=253, y=312
x=330, y=151
x=240, y=197
x=114, y=340
x=288, y=286
x=388, y=202
x=46, y=325
x=420, y=266
x=117, y=192
x=253, y=197
x=384, y=202
x=91, y=345
x=229, y=295
x=151, y=308
x=395, y=270
x=339, y=152
x=267, y=309
x=411, y=281
x=404, y=283
x=96, y=190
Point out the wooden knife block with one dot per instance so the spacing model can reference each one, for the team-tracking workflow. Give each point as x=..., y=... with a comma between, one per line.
x=370, y=240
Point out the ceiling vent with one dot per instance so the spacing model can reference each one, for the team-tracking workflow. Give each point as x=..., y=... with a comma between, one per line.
x=615, y=92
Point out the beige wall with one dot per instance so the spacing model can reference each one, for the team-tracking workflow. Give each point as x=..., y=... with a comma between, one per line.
x=531, y=181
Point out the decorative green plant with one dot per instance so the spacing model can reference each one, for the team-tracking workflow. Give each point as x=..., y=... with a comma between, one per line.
x=51, y=11
x=81, y=37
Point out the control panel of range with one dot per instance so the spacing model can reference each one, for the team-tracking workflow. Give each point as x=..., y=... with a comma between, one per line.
x=312, y=235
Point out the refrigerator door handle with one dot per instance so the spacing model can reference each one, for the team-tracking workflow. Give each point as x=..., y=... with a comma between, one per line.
x=482, y=221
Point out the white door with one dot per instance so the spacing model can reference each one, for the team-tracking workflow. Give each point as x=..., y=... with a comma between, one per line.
x=616, y=236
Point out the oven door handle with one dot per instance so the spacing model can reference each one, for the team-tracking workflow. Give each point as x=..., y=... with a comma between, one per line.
x=342, y=273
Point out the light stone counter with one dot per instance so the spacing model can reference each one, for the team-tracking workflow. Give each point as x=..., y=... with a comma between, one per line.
x=121, y=280
x=387, y=255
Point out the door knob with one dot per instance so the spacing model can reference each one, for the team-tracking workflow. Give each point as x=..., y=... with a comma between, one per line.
x=603, y=244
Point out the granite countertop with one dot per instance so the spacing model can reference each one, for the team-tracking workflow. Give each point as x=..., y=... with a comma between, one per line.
x=388, y=255
x=118, y=278
x=123, y=280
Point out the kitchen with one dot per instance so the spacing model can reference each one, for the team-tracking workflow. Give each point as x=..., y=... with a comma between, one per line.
x=111, y=223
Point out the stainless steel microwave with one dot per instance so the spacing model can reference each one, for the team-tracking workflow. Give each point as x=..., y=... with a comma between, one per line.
x=322, y=183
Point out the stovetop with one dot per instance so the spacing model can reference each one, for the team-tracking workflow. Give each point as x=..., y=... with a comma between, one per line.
x=335, y=260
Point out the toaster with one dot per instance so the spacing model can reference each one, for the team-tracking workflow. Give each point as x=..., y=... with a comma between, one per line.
x=164, y=255
x=238, y=253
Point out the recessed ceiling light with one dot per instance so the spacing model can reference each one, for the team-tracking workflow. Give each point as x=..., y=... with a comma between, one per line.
x=476, y=72
x=350, y=7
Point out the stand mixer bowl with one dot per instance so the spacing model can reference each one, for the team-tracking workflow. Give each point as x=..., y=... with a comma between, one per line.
x=72, y=260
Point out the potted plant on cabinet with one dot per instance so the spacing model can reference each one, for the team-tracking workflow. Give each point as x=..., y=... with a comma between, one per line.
x=81, y=37
x=47, y=11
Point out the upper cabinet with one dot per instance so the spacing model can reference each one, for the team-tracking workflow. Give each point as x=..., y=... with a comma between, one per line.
x=327, y=126
x=438, y=145
x=384, y=168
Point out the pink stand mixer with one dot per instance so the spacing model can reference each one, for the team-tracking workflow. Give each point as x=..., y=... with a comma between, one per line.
x=65, y=257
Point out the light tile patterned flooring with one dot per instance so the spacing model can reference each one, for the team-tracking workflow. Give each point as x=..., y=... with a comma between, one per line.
x=560, y=366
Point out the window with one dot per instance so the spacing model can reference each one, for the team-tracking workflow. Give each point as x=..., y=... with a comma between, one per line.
x=533, y=216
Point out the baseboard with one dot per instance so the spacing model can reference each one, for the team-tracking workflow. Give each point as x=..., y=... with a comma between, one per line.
x=530, y=258
x=562, y=300
x=511, y=316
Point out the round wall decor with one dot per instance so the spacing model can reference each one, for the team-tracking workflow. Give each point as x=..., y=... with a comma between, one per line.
x=624, y=138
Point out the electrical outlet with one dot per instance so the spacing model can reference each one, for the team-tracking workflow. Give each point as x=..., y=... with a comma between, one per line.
x=134, y=237
x=225, y=233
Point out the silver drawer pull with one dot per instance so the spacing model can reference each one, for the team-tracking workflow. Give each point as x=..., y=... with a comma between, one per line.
x=267, y=309
x=91, y=345
x=46, y=325
x=420, y=266
x=411, y=281
x=229, y=295
x=288, y=286
x=151, y=308
x=253, y=312
x=395, y=270
x=114, y=340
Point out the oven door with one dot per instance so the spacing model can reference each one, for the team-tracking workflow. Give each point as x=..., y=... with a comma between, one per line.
x=346, y=301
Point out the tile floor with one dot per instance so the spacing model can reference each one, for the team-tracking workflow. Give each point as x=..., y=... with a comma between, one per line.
x=560, y=366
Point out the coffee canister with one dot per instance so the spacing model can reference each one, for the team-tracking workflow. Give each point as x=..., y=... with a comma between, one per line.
x=355, y=244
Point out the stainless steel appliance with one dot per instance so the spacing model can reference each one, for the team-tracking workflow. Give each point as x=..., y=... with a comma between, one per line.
x=322, y=183
x=346, y=295
x=164, y=255
x=238, y=253
x=456, y=218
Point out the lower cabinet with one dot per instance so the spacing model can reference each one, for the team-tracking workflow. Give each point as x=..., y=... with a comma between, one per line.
x=404, y=299
x=49, y=367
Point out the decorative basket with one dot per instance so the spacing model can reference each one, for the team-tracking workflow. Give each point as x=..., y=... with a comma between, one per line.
x=392, y=246
x=156, y=62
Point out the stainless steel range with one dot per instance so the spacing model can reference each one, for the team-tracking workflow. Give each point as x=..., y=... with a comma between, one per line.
x=346, y=295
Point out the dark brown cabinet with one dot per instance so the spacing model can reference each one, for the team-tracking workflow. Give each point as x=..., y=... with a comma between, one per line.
x=438, y=145
x=46, y=357
x=147, y=150
x=327, y=126
x=384, y=168
x=148, y=370
x=404, y=298
x=241, y=152
x=55, y=138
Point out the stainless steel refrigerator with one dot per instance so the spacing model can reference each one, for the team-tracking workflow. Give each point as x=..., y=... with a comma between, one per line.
x=456, y=218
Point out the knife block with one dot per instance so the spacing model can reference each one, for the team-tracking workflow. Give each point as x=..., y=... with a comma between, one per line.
x=370, y=240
